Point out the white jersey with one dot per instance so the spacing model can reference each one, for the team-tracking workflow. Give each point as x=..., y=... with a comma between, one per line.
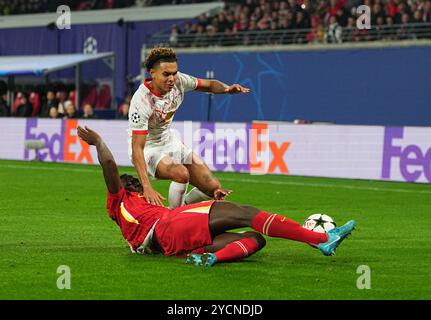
x=152, y=114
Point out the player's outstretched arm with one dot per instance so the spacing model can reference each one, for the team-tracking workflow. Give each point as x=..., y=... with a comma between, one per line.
x=106, y=159
x=218, y=87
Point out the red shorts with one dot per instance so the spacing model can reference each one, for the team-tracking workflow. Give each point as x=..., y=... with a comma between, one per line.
x=183, y=229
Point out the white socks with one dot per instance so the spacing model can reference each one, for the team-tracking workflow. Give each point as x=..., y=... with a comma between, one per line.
x=177, y=193
x=195, y=195
x=178, y=197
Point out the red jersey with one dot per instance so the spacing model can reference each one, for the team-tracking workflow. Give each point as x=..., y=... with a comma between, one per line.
x=133, y=214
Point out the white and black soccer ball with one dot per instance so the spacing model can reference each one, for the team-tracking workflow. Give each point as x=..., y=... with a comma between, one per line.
x=319, y=222
x=135, y=117
x=90, y=45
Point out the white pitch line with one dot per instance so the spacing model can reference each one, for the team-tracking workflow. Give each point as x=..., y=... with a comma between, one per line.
x=323, y=185
x=287, y=183
x=47, y=168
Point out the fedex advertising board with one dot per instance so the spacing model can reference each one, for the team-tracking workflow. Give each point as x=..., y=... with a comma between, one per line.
x=358, y=152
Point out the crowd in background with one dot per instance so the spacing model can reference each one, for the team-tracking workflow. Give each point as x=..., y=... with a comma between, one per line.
x=55, y=101
x=325, y=21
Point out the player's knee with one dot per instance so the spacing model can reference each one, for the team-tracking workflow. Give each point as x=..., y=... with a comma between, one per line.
x=260, y=240
x=180, y=174
x=257, y=237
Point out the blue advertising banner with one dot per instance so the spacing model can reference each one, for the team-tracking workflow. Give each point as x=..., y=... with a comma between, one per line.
x=26, y=41
x=363, y=86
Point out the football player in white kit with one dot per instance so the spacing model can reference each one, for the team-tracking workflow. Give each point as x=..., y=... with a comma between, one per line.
x=153, y=149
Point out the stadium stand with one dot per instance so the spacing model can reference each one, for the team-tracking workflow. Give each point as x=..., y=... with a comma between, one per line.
x=12, y=7
x=239, y=23
x=258, y=22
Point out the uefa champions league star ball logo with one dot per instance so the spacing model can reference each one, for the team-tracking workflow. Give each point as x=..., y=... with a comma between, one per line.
x=90, y=45
x=135, y=117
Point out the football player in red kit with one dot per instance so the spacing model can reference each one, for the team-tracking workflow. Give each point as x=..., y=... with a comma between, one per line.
x=198, y=231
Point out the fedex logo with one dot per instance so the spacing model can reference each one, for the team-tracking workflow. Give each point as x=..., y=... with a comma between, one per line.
x=223, y=147
x=243, y=147
x=413, y=161
x=262, y=149
x=61, y=142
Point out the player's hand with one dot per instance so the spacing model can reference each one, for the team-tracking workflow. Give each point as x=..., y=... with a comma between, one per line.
x=236, y=88
x=88, y=135
x=153, y=197
x=220, y=193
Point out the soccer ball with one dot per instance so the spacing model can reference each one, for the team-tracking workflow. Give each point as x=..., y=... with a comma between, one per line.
x=319, y=222
x=90, y=45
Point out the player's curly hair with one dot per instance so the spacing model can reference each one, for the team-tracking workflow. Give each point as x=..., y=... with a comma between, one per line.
x=158, y=55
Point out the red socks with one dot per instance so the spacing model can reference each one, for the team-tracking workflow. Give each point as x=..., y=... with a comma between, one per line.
x=237, y=250
x=275, y=225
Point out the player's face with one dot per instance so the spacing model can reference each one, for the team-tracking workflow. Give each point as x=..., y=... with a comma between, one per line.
x=164, y=76
x=131, y=184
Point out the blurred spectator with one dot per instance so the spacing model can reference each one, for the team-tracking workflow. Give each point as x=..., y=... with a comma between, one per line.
x=70, y=110
x=376, y=13
x=379, y=28
x=4, y=110
x=124, y=111
x=62, y=98
x=332, y=9
x=48, y=104
x=334, y=33
x=53, y=113
x=405, y=31
x=88, y=112
x=417, y=17
x=302, y=21
x=403, y=9
x=223, y=24
x=391, y=8
x=317, y=32
x=25, y=108
x=200, y=36
x=173, y=38
x=342, y=16
x=426, y=16
x=390, y=29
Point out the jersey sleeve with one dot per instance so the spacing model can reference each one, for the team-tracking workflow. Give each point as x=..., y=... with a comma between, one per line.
x=139, y=114
x=113, y=201
x=187, y=82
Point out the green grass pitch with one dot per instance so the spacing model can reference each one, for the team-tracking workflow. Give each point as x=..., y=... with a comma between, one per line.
x=54, y=214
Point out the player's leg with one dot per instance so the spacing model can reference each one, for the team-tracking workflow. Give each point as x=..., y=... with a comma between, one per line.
x=224, y=239
x=164, y=167
x=228, y=247
x=202, y=178
x=225, y=216
x=169, y=169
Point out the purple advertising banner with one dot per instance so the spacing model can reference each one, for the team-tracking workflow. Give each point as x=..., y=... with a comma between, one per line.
x=356, y=152
x=411, y=161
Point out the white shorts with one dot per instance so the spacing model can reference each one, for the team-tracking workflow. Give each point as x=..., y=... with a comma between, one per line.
x=172, y=148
